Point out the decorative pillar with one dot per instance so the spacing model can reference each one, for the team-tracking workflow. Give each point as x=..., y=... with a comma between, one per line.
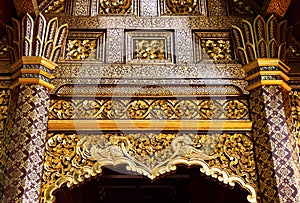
x=34, y=47
x=262, y=49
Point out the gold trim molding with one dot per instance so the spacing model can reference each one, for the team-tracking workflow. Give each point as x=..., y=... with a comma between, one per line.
x=142, y=125
x=33, y=60
x=266, y=62
x=280, y=80
x=269, y=82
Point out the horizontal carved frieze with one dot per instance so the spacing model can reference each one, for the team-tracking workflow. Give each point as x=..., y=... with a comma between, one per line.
x=77, y=90
x=149, y=71
x=148, y=109
x=238, y=84
x=128, y=22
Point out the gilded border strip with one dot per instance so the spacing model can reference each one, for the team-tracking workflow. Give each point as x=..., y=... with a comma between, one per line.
x=138, y=125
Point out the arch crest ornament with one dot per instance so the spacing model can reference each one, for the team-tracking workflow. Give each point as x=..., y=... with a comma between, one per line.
x=71, y=159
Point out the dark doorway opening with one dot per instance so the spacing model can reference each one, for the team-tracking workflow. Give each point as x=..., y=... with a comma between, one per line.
x=186, y=185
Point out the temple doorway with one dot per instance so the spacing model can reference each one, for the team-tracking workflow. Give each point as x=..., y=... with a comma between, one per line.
x=186, y=185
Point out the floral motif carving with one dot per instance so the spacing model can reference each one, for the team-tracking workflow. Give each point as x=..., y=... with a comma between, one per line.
x=115, y=7
x=79, y=49
x=182, y=7
x=218, y=49
x=64, y=162
x=212, y=45
x=151, y=49
x=145, y=46
x=71, y=159
x=149, y=109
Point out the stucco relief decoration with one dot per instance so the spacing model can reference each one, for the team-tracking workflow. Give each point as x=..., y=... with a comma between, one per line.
x=71, y=158
x=115, y=7
x=181, y=7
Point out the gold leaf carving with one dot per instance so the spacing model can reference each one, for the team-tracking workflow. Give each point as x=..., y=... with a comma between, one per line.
x=182, y=7
x=79, y=49
x=115, y=7
x=217, y=49
x=149, y=109
x=152, y=49
x=71, y=159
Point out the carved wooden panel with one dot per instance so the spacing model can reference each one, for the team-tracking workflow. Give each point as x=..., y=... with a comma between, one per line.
x=145, y=46
x=212, y=46
x=85, y=46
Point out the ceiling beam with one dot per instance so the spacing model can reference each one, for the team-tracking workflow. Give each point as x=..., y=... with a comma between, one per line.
x=28, y=6
x=276, y=7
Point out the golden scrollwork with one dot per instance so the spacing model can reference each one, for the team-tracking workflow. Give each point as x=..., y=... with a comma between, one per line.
x=115, y=7
x=149, y=49
x=149, y=109
x=78, y=49
x=58, y=6
x=182, y=7
x=64, y=162
x=72, y=159
x=218, y=49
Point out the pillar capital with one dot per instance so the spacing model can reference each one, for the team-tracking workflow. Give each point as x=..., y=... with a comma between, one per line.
x=33, y=70
x=267, y=71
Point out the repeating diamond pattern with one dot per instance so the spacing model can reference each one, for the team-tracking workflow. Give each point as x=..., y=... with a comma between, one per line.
x=27, y=144
x=274, y=144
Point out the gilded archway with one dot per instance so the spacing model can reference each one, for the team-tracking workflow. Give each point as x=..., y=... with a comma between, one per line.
x=72, y=159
